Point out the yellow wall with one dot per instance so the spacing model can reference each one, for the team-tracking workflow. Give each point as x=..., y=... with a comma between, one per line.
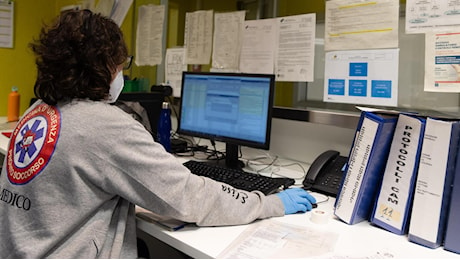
x=17, y=66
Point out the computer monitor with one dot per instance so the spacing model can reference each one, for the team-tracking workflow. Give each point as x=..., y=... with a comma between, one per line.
x=234, y=108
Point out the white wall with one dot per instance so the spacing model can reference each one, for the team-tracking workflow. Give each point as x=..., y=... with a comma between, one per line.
x=304, y=141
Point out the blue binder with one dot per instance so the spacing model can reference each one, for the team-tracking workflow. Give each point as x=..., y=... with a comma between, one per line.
x=434, y=182
x=365, y=166
x=451, y=241
x=393, y=202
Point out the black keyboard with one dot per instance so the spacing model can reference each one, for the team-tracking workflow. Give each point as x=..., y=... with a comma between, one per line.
x=238, y=178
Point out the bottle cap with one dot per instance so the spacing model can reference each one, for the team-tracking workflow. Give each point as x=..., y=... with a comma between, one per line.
x=165, y=105
x=14, y=88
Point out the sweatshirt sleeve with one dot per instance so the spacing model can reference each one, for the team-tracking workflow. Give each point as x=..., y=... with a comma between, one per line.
x=141, y=171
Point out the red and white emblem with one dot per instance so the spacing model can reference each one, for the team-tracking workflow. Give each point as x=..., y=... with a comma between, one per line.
x=32, y=143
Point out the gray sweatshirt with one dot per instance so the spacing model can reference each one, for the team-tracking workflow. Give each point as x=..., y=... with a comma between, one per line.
x=74, y=172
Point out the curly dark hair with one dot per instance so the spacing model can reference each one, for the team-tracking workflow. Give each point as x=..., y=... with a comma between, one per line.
x=76, y=57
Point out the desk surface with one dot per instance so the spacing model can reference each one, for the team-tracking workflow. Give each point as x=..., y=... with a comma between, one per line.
x=361, y=240
x=5, y=127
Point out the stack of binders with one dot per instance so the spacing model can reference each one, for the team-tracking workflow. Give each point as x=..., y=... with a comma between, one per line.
x=403, y=175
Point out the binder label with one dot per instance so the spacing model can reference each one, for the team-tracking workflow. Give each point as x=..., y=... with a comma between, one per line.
x=395, y=190
x=357, y=165
x=426, y=209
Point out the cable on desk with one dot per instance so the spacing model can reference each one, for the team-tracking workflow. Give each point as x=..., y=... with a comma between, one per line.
x=250, y=164
x=276, y=167
x=320, y=198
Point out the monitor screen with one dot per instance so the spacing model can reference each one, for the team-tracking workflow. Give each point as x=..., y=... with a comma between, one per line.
x=234, y=108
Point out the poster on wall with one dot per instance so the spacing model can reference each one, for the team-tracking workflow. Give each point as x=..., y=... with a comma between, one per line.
x=258, y=49
x=174, y=66
x=227, y=41
x=442, y=62
x=362, y=77
x=149, y=35
x=432, y=15
x=198, y=36
x=295, y=48
x=361, y=24
x=6, y=24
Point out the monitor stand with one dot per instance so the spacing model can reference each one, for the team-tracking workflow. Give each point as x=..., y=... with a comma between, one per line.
x=231, y=157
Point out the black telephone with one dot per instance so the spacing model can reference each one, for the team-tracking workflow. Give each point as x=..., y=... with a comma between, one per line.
x=325, y=173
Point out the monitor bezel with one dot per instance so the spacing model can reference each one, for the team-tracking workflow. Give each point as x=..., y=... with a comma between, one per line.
x=226, y=139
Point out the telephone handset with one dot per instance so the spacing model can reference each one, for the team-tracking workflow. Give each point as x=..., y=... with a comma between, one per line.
x=325, y=173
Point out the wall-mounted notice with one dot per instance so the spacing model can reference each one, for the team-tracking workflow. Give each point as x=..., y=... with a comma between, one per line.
x=432, y=15
x=174, y=66
x=295, y=50
x=6, y=24
x=258, y=50
x=227, y=41
x=149, y=46
x=198, y=36
x=362, y=77
x=442, y=62
x=361, y=24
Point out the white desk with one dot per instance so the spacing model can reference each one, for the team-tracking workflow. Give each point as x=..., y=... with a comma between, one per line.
x=354, y=241
x=5, y=127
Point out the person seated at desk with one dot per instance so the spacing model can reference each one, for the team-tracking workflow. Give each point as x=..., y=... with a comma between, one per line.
x=76, y=165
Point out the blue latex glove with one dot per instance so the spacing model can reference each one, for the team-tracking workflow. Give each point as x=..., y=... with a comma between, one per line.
x=296, y=200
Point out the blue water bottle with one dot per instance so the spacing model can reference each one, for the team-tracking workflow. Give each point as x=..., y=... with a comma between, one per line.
x=164, y=127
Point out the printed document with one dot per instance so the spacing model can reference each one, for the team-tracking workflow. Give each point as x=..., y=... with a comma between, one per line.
x=295, y=51
x=228, y=35
x=432, y=15
x=362, y=77
x=363, y=24
x=273, y=239
x=149, y=40
x=6, y=24
x=198, y=37
x=174, y=66
x=258, y=50
x=442, y=62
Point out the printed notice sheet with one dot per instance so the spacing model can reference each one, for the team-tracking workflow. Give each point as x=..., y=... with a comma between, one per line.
x=6, y=24
x=432, y=15
x=174, y=66
x=198, y=37
x=442, y=62
x=258, y=50
x=273, y=239
x=228, y=37
x=149, y=45
x=362, y=77
x=361, y=24
x=295, y=52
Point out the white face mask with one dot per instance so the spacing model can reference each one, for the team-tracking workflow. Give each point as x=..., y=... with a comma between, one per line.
x=116, y=87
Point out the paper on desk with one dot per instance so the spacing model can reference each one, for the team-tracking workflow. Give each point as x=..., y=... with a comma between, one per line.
x=274, y=239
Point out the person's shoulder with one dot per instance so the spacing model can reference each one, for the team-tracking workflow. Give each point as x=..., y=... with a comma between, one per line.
x=93, y=113
x=92, y=109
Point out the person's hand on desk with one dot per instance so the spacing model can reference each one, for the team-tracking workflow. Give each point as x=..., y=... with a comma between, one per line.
x=296, y=200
